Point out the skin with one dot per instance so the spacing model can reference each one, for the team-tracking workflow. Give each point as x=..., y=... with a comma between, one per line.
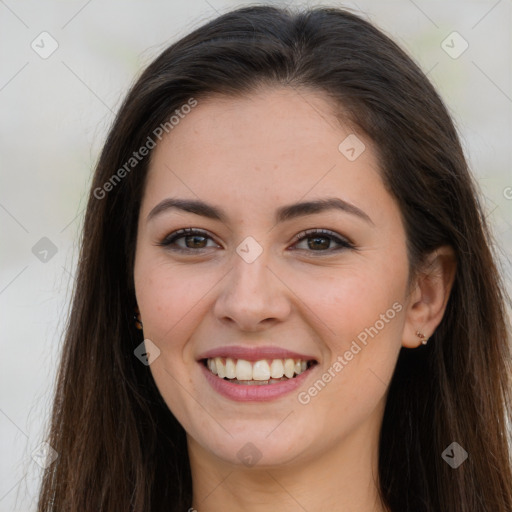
x=249, y=156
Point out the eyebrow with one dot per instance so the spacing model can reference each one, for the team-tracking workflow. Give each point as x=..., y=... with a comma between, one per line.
x=284, y=213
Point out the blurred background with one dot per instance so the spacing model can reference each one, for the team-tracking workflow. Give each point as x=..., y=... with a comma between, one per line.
x=66, y=66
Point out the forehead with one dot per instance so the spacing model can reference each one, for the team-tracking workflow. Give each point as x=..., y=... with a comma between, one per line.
x=275, y=144
x=260, y=120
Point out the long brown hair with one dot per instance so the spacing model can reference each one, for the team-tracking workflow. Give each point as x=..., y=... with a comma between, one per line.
x=120, y=448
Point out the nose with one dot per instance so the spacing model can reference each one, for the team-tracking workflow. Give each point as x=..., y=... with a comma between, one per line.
x=253, y=296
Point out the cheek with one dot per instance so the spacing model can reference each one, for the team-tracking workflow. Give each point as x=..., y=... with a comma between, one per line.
x=364, y=338
x=362, y=310
x=171, y=300
x=355, y=298
x=170, y=297
x=362, y=306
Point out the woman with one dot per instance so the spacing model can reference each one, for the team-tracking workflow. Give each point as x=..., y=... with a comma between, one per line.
x=319, y=322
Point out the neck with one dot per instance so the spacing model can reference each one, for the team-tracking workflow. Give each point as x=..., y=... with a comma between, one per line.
x=343, y=478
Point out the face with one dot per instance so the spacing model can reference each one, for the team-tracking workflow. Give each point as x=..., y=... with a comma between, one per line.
x=301, y=307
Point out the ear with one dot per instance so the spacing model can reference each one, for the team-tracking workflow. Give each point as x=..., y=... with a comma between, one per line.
x=429, y=295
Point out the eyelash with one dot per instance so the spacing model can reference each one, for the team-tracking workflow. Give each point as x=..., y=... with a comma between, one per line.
x=303, y=235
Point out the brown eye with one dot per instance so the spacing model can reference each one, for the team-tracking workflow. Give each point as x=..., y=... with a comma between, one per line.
x=193, y=239
x=196, y=241
x=320, y=240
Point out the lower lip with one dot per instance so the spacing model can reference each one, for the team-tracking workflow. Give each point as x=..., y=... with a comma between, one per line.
x=248, y=393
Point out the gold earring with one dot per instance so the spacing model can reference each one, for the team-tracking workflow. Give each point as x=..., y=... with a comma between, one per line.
x=136, y=317
x=422, y=337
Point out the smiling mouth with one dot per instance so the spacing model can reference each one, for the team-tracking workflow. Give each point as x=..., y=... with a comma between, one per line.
x=257, y=373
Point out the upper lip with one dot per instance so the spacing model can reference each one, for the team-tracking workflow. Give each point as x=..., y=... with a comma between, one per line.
x=254, y=353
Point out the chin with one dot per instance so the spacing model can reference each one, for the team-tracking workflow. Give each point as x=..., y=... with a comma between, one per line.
x=262, y=448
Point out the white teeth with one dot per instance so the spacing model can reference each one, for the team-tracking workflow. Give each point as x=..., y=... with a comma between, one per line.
x=212, y=366
x=230, y=368
x=289, y=368
x=243, y=370
x=277, y=369
x=221, y=369
x=262, y=370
